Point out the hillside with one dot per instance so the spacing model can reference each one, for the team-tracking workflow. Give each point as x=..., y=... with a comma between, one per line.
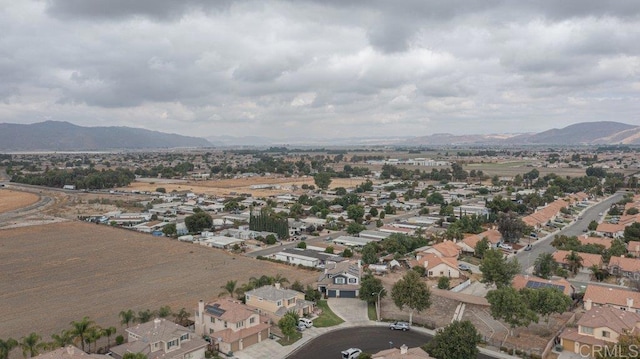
x=588, y=133
x=64, y=136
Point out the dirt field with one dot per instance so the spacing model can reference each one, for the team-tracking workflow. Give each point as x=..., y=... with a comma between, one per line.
x=239, y=185
x=10, y=200
x=57, y=273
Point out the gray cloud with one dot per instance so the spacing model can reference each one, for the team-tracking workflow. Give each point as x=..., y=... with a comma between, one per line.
x=331, y=68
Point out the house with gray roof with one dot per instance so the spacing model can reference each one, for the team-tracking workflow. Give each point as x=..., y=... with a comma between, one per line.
x=161, y=339
x=341, y=280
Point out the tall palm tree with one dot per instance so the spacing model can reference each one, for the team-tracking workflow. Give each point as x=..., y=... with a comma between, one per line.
x=6, y=346
x=181, y=317
x=127, y=317
x=574, y=262
x=79, y=330
x=31, y=345
x=93, y=334
x=229, y=287
x=165, y=312
x=108, y=332
x=280, y=279
x=144, y=316
x=62, y=340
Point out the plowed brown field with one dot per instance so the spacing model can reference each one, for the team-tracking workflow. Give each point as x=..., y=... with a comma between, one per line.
x=53, y=274
x=10, y=200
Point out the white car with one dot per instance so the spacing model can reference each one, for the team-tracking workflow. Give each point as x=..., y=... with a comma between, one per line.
x=351, y=353
x=306, y=322
x=505, y=246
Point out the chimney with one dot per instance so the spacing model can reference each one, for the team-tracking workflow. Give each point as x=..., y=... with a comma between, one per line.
x=277, y=285
x=156, y=323
x=359, y=263
x=200, y=317
x=587, y=304
x=70, y=350
x=404, y=349
x=630, y=303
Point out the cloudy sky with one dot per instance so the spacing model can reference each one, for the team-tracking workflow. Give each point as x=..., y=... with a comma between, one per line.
x=326, y=68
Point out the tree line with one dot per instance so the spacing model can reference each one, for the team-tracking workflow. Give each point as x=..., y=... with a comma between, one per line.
x=81, y=178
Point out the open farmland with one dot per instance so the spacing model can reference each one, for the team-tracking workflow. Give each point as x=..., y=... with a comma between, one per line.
x=10, y=200
x=57, y=273
x=236, y=185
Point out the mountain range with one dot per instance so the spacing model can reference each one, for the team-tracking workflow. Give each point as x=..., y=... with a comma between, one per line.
x=64, y=136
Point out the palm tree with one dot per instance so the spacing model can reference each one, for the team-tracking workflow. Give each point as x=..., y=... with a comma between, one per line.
x=108, y=332
x=126, y=317
x=31, y=345
x=181, y=317
x=144, y=316
x=165, y=312
x=79, y=330
x=62, y=340
x=280, y=279
x=6, y=346
x=574, y=262
x=229, y=287
x=93, y=334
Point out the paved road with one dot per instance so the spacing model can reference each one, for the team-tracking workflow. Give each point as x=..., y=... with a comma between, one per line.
x=369, y=339
x=576, y=228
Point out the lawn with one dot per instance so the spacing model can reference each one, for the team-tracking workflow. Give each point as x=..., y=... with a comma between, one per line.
x=371, y=311
x=292, y=339
x=328, y=318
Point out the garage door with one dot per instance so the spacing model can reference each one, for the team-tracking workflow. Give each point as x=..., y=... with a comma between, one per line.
x=347, y=294
x=331, y=294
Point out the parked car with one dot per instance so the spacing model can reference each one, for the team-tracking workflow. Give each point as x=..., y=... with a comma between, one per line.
x=351, y=353
x=464, y=267
x=306, y=322
x=404, y=326
x=528, y=247
x=505, y=246
x=301, y=327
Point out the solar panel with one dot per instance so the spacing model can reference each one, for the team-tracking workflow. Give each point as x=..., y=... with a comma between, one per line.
x=215, y=310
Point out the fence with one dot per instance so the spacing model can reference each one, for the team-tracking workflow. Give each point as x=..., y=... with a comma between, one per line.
x=461, y=286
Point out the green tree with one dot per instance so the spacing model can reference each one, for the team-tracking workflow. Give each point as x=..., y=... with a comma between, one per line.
x=497, y=270
x=444, y=283
x=458, y=340
x=511, y=226
x=545, y=266
x=373, y=212
x=144, y=316
x=161, y=190
x=347, y=253
x=108, y=332
x=297, y=286
x=6, y=346
x=130, y=355
x=127, y=317
x=509, y=305
x=382, y=215
x=198, y=222
x=164, y=312
x=370, y=286
x=593, y=225
x=91, y=337
x=229, y=287
x=181, y=317
x=302, y=245
x=329, y=249
x=435, y=198
x=170, y=230
x=370, y=253
x=288, y=324
x=322, y=180
x=80, y=329
x=61, y=340
x=355, y=212
x=355, y=228
x=31, y=345
x=546, y=301
x=481, y=247
x=574, y=262
x=411, y=292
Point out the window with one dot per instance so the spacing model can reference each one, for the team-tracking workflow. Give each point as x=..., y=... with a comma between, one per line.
x=247, y=297
x=606, y=334
x=225, y=324
x=210, y=331
x=586, y=330
x=184, y=336
x=172, y=344
x=212, y=319
x=279, y=303
x=240, y=324
x=252, y=320
x=291, y=301
x=353, y=280
x=339, y=280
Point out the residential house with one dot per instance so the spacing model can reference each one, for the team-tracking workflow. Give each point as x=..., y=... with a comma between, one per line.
x=231, y=325
x=527, y=281
x=601, y=296
x=445, y=249
x=624, y=266
x=545, y=214
x=221, y=242
x=588, y=260
x=404, y=352
x=468, y=244
x=350, y=241
x=436, y=266
x=597, y=328
x=396, y=229
x=340, y=280
x=373, y=234
x=611, y=230
x=274, y=301
x=161, y=339
x=585, y=240
x=633, y=247
x=305, y=257
x=70, y=352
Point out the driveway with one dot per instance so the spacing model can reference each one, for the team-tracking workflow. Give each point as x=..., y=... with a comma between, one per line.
x=352, y=310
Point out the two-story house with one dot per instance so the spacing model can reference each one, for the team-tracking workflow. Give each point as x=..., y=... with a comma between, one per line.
x=275, y=301
x=340, y=280
x=597, y=328
x=601, y=296
x=161, y=339
x=231, y=325
x=624, y=266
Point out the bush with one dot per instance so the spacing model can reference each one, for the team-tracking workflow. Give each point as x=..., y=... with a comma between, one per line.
x=443, y=283
x=119, y=340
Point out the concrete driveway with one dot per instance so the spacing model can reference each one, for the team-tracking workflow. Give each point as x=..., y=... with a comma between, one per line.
x=352, y=310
